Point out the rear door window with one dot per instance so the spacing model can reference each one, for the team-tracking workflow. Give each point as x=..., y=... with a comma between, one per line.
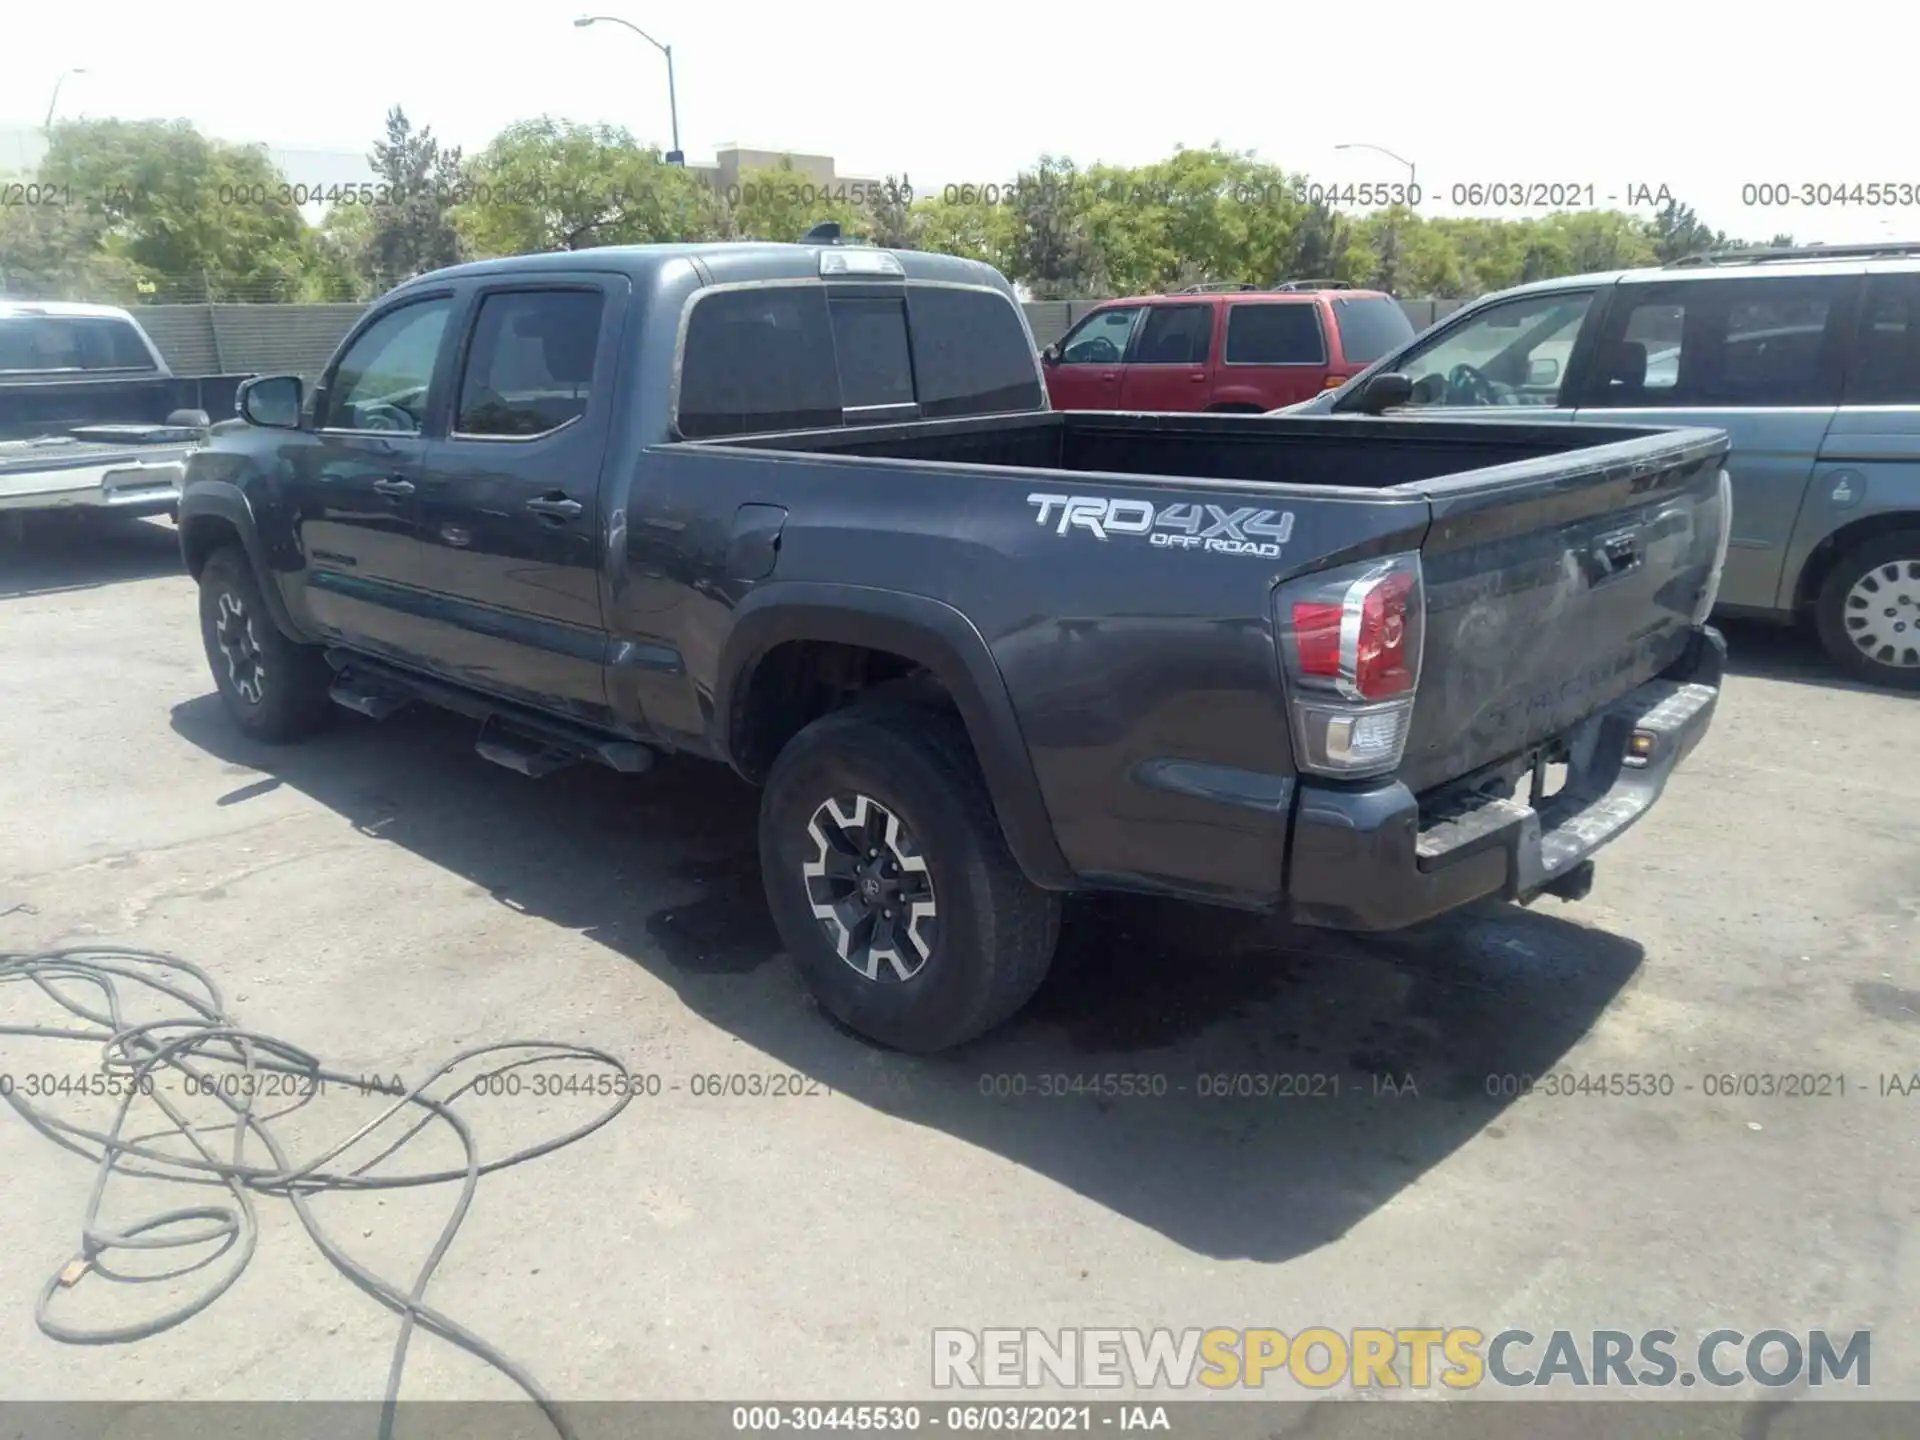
x=1885, y=367
x=1175, y=335
x=1720, y=344
x=530, y=366
x=1275, y=333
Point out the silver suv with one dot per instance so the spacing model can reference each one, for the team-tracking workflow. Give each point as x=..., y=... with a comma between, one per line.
x=1808, y=358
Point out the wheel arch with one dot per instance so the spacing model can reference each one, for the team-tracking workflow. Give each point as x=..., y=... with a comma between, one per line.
x=1834, y=546
x=926, y=635
x=214, y=514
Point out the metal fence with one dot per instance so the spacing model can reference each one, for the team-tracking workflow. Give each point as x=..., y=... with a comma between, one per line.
x=299, y=339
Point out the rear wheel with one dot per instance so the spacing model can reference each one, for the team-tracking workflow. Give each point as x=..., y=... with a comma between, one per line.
x=891, y=883
x=274, y=689
x=1868, y=612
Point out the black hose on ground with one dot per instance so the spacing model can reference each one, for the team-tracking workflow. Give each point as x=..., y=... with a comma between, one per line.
x=181, y=1047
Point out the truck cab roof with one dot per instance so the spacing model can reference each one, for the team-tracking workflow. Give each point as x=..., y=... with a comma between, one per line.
x=723, y=263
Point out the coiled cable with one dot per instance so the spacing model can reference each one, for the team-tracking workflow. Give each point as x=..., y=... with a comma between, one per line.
x=96, y=985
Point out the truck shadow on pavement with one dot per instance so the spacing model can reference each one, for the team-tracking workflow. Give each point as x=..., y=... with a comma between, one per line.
x=66, y=552
x=1396, y=1047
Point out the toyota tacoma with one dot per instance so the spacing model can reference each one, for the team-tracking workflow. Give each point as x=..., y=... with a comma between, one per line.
x=804, y=510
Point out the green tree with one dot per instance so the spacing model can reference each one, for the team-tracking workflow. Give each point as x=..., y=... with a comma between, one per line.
x=890, y=219
x=1676, y=233
x=56, y=252
x=342, y=268
x=1050, y=249
x=412, y=230
x=977, y=229
x=551, y=185
x=159, y=210
x=782, y=203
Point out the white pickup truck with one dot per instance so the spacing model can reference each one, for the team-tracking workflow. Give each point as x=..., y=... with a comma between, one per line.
x=90, y=415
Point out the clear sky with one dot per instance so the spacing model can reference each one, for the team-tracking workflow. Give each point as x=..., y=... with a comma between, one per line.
x=1629, y=94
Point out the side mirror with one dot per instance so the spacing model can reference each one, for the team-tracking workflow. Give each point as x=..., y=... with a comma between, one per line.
x=1541, y=373
x=190, y=419
x=1386, y=391
x=272, y=401
x=1050, y=355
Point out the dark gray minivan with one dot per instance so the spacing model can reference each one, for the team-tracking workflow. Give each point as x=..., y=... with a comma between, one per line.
x=1808, y=358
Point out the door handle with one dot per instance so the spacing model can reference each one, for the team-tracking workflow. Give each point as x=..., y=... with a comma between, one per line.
x=1196, y=379
x=1109, y=374
x=555, y=507
x=393, y=487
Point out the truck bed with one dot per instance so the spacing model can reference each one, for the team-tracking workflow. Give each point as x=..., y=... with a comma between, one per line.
x=1287, y=450
x=33, y=407
x=1533, y=622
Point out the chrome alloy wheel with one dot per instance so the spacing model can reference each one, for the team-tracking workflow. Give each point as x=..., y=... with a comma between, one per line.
x=1882, y=613
x=234, y=633
x=870, y=889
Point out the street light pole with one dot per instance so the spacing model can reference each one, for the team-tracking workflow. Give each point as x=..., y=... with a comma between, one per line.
x=46, y=126
x=1412, y=177
x=674, y=156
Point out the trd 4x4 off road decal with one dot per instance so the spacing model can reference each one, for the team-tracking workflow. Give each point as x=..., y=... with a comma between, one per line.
x=1223, y=530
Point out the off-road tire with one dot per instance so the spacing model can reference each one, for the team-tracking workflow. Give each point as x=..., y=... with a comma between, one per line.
x=1889, y=564
x=996, y=930
x=285, y=698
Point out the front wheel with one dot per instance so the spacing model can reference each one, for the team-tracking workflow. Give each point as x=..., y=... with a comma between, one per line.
x=274, y=689
x=891, y=883
x=1868, y=612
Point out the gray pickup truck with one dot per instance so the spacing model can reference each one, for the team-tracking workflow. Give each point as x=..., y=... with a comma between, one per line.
x=804, y=509
x=90, y=416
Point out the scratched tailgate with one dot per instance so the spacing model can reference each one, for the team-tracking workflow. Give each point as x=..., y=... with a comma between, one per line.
x=1554, y=586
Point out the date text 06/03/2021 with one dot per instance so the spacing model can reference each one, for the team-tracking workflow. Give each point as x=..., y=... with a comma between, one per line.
x=997, y=1418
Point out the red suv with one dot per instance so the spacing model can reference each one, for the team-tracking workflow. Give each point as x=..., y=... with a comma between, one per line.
x=1222, y=347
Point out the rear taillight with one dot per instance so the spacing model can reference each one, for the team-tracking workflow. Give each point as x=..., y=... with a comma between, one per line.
x=1350, y=644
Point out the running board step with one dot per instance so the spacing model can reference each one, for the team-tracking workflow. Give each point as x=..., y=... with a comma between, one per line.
x=374, y=704
x=527, y=754
x=522, y=739
x=534, y=754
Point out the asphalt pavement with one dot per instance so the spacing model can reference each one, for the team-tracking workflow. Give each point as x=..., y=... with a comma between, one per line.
x=383, y=898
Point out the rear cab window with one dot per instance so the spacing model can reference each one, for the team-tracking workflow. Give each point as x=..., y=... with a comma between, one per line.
x=71, y=342
x=802, y=356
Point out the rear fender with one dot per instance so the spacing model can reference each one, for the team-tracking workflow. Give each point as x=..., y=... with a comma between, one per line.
x=938, y=638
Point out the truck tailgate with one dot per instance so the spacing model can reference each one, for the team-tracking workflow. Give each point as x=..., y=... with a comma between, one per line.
x=1555, y=586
